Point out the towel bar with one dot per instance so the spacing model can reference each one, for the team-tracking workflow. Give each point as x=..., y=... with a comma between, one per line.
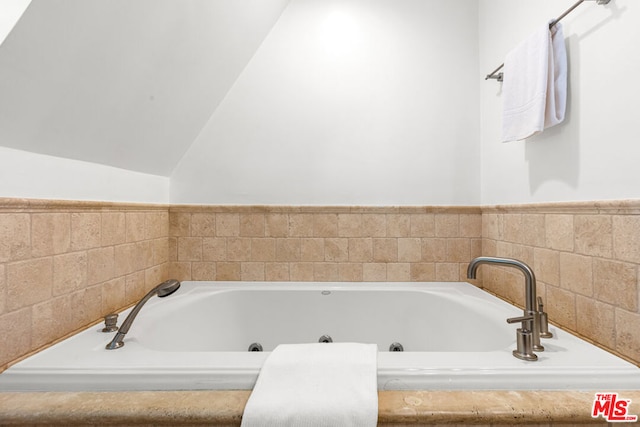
x=500, y=76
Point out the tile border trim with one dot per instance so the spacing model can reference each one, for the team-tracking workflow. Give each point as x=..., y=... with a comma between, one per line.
x=612, y=207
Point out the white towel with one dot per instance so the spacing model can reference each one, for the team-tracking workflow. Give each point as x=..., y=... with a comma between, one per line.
x=535, y=84
x=306, y=385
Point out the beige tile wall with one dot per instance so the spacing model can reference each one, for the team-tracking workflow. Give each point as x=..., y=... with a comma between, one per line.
x=63, y=265
x=349, y=244
x=586, y=257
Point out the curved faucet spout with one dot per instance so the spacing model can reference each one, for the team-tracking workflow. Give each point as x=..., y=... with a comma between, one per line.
x=533, y=316
x=164, y=289
x=529, y=277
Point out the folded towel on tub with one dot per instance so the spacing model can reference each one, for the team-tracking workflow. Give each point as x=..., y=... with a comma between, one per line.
x=305, y=385
x=535, y=84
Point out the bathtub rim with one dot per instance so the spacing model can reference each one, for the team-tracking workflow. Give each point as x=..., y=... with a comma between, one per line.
x=413, y=375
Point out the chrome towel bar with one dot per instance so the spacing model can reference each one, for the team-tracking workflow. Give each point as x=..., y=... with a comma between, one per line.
x=499, y=76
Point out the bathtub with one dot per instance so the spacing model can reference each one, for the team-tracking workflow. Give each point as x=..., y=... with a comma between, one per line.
x=454, y=337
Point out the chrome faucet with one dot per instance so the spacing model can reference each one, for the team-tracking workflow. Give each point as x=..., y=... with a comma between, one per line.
x=164, y=289
x=531, y=319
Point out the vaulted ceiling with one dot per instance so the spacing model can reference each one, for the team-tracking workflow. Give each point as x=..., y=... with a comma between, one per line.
x=124, y=83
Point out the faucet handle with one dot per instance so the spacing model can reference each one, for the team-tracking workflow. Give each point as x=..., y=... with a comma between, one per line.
x=522, y=319
x=544, y=321
x=524, y=338
x=110, y=323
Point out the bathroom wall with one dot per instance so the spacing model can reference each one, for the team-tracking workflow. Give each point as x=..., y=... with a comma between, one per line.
x=363, y=102
x=592, y=155
x=38, y=176
x=64, y=265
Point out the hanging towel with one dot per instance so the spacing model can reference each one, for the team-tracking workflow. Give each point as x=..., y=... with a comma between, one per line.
x=316, y=385
x=535, y=84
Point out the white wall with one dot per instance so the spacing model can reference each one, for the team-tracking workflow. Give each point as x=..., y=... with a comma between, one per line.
x=371, y=102
x=377, y=102
x=38, y=176
x=594, y=154
x=10, y=13
x=123, y=83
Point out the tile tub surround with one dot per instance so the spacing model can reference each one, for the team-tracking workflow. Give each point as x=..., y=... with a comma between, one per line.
x=350, y=244
x=542, y=235
x=586, y=257
x=64, y=265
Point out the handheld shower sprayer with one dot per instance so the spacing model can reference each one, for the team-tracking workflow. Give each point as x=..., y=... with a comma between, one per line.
x=164, y=289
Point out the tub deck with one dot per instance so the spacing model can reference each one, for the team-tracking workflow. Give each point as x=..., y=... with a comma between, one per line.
x=224, y=408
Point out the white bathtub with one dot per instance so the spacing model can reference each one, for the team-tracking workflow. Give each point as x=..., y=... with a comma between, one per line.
x=454, y=336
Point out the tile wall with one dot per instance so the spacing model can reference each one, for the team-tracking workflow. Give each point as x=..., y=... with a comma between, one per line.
x=64, y=265
x=348, y=244
x=586, y=257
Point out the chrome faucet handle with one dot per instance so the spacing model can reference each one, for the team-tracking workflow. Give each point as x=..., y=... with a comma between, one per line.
x=524, y=338
x=110, y=323
x=544, y=321
x=530, y=323
x=522, y=319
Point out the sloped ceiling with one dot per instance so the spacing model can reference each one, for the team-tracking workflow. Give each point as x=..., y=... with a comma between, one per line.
x=10, y=13
x=125, y=83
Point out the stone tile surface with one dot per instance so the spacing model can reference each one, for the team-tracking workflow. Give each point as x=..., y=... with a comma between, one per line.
x=224, y=408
